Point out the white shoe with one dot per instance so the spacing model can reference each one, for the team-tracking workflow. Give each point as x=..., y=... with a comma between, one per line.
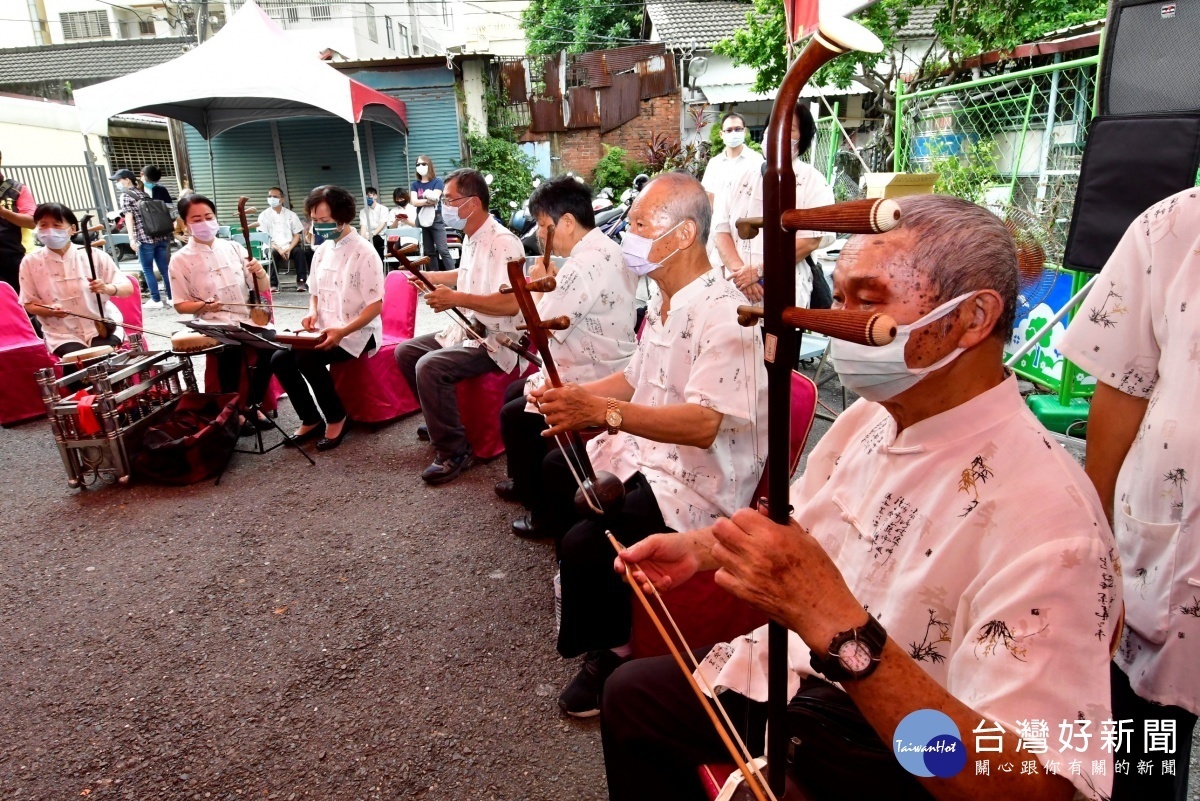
x=152, y=304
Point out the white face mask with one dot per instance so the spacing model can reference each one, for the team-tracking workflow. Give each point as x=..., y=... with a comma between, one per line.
x=733, y=138
x=636, y=250
x=881, y=373
x=422, y=169
x=451, y=217
x=274, y=202
x=54, y=238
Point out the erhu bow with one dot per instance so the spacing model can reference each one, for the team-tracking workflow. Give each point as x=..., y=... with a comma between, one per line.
x=474, y=329
x=599, y=493
x=260, y=313
x=105, y=327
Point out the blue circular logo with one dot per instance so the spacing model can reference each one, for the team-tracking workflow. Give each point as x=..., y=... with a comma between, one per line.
x=927, y=743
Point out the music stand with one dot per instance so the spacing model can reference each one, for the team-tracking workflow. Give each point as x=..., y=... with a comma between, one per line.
x=237, y=336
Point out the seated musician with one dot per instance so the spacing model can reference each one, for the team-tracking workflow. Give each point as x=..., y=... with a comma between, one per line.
x=682, y=423
x=57, y=285
x=433, y=364
x=955, y=553
x=344, y=308
x=212, y=279
x=743, y=258
x=596, y=292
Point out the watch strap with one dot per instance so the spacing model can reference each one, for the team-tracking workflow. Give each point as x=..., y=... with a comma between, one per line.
x=870, y=634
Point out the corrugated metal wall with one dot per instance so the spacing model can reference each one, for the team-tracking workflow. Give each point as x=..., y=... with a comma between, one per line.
x=319, y=150
x=433, y=129
x=245, y=165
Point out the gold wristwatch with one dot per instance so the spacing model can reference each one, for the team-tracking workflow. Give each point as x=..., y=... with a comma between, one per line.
x=612, y=417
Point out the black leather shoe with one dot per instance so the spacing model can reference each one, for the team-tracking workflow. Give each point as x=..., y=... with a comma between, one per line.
x=507, y=491
x=327, y=444
x=423, y=432
x=313, y=433
x=526, y=528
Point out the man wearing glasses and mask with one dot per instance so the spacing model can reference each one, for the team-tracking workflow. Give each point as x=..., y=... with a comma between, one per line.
x=433, y=364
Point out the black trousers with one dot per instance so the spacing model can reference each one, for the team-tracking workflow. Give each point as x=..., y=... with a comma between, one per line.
x=377, y=241
x=433, y=245
x=297, y=370
x=71, y=347
x=656, y=735
x=524, y=446
x=1154, y=786
x=229, y=369
x=597, y=606
x=10, y=268
x=278, y=262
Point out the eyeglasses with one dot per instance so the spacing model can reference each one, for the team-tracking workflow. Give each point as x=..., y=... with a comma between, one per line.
x=738, y=129
x=455, y=201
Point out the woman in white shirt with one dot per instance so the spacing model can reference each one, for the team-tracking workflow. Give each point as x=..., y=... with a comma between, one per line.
x=57, y=283
x=345, y=307
x=212, y=279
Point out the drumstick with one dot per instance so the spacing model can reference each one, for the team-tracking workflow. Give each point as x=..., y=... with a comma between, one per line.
x=113, y=323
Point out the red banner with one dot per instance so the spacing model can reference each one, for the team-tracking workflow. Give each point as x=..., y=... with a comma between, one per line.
x=802, y=17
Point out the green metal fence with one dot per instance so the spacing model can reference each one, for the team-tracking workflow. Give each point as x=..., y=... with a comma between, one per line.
x=825, y=145
x=1020, y=135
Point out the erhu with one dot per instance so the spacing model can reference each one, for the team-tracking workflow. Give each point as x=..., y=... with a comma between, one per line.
x=105, y=327
x=779, y=224
x=599, y=493
x=260, y=313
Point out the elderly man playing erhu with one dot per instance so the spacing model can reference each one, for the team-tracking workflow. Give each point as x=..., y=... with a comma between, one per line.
x=945, y=554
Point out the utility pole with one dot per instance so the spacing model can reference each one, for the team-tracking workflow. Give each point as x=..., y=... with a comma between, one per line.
x=202, y=27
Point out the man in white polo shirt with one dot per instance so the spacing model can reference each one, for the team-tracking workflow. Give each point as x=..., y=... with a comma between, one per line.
x=283, y=226
x=725, y=167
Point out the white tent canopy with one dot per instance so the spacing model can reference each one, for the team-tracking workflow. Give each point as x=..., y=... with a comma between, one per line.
x=249, y=71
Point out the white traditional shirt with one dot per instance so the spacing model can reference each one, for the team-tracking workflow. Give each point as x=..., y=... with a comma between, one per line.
x=698, y=355
x=744, y=199
x=281, y=225
x=596, y=291
x=200, y=272
x=349, y=278
x=371, y=217
x=980, y=546
x=1138, y=332
x=719, y=175
x=49, y=278
x=722, y=170
x=481, y=270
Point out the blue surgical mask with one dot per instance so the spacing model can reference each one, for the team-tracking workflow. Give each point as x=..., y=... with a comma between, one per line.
x=54, y=238
x=370, y=201
x=452, y=218
x=330, y=231
x=149, y=185
x=636, y=250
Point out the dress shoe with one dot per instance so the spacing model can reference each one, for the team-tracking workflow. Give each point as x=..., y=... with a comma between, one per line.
x=527, y=528
x=328, y=444
x=423, y=432
x=507, y=491
x=313, y=433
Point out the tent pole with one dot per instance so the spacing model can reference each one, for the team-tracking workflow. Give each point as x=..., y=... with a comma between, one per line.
x=362, y=181
x=212, y=173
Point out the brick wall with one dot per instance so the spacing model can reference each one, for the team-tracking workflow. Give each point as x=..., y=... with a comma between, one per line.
x=581, y=149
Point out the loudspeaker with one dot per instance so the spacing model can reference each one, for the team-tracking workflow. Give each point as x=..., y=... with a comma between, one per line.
x=1145, y=144
x=1150, y=63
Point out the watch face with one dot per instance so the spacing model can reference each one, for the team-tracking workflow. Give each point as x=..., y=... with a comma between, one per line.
x=613, y=418
x=854, y=656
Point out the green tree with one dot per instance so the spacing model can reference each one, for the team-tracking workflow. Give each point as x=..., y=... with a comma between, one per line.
x=579, y=25
x=963, y=28
x=511, y=170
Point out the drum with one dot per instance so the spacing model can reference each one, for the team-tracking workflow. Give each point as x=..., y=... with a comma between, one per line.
x=191, y=342
x=80, y=356
x=302, y=340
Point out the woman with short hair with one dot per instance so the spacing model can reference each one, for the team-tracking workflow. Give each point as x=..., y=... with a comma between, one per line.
x=213, y=278
x=56, y=283
x=427, y=198
x=347, y=275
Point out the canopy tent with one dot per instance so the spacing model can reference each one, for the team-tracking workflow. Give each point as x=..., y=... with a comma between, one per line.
x=248, y=72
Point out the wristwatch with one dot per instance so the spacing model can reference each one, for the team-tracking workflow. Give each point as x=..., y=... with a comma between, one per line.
x=853, y=654
x=612, y=417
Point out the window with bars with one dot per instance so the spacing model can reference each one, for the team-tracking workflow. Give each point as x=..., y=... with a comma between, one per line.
x=128, y=153
x=372, y=28
x=146, y=27
x=319, y=12
x=85, y=24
